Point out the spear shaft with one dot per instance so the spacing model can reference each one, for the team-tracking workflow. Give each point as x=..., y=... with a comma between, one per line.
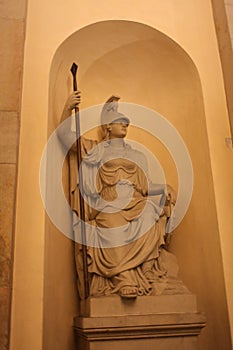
x=73, y=70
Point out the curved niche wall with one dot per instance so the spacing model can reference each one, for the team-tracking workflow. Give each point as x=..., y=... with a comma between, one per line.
x=145, y=67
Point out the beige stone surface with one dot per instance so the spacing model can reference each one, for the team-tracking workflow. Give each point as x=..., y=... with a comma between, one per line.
x=7, y=190
x=176, y=343
x=154, y=321
x=171, y=331
x=8, y=137
x=12, y=9
x=10, y=62
x=116, y=306
x=4, y=316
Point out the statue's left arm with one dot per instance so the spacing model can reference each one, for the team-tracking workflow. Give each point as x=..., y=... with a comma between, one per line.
x=166, y=191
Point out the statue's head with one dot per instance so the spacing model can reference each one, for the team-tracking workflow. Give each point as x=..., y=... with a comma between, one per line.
x=110, y=116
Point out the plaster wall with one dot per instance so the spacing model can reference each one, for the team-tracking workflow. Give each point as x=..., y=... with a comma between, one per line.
x=191, y=25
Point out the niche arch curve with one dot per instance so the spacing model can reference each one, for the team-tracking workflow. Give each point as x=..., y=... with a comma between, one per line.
x=123, y=50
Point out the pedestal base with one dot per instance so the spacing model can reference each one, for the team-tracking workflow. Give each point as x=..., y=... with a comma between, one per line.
x=176, y=331
x=157, y=322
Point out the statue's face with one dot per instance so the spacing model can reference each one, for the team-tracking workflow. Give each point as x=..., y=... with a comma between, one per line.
x=118, y=129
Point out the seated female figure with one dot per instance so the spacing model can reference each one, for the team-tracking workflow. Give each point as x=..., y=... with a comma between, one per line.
x=128, y=225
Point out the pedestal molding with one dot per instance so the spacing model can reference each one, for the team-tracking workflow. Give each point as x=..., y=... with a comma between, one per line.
x=139, y=326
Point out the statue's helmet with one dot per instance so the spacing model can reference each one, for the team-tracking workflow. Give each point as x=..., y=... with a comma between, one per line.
x=110, y=114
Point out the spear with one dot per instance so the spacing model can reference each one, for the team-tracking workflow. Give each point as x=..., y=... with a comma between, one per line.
x=73, y=70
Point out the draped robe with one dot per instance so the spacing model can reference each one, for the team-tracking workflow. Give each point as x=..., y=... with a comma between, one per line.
x=125, y=227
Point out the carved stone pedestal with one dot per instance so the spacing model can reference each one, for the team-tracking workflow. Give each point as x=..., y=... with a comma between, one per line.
x=165, y=322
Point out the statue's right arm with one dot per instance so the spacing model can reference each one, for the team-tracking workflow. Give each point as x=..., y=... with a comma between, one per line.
x=64, y=131
x=72, y=101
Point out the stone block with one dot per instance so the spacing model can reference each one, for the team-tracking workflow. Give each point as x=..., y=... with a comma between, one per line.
x=178, y=343
x=8, y=137
x=4, y=317
x=5, y=271
x=13, y=9
x=11, y=55
x=7, y=193
x=146, y=305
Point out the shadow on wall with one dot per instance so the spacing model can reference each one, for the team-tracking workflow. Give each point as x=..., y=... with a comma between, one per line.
x=145, y=67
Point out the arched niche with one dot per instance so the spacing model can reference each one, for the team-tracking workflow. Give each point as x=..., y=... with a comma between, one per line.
x=146, y=67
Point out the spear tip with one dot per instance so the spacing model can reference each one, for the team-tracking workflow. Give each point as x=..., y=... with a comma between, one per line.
x=74, y=68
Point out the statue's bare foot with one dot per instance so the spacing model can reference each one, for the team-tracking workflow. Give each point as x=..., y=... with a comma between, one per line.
x=128, y=292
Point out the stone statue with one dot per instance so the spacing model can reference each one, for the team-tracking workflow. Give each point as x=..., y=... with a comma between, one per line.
x=129, y=225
